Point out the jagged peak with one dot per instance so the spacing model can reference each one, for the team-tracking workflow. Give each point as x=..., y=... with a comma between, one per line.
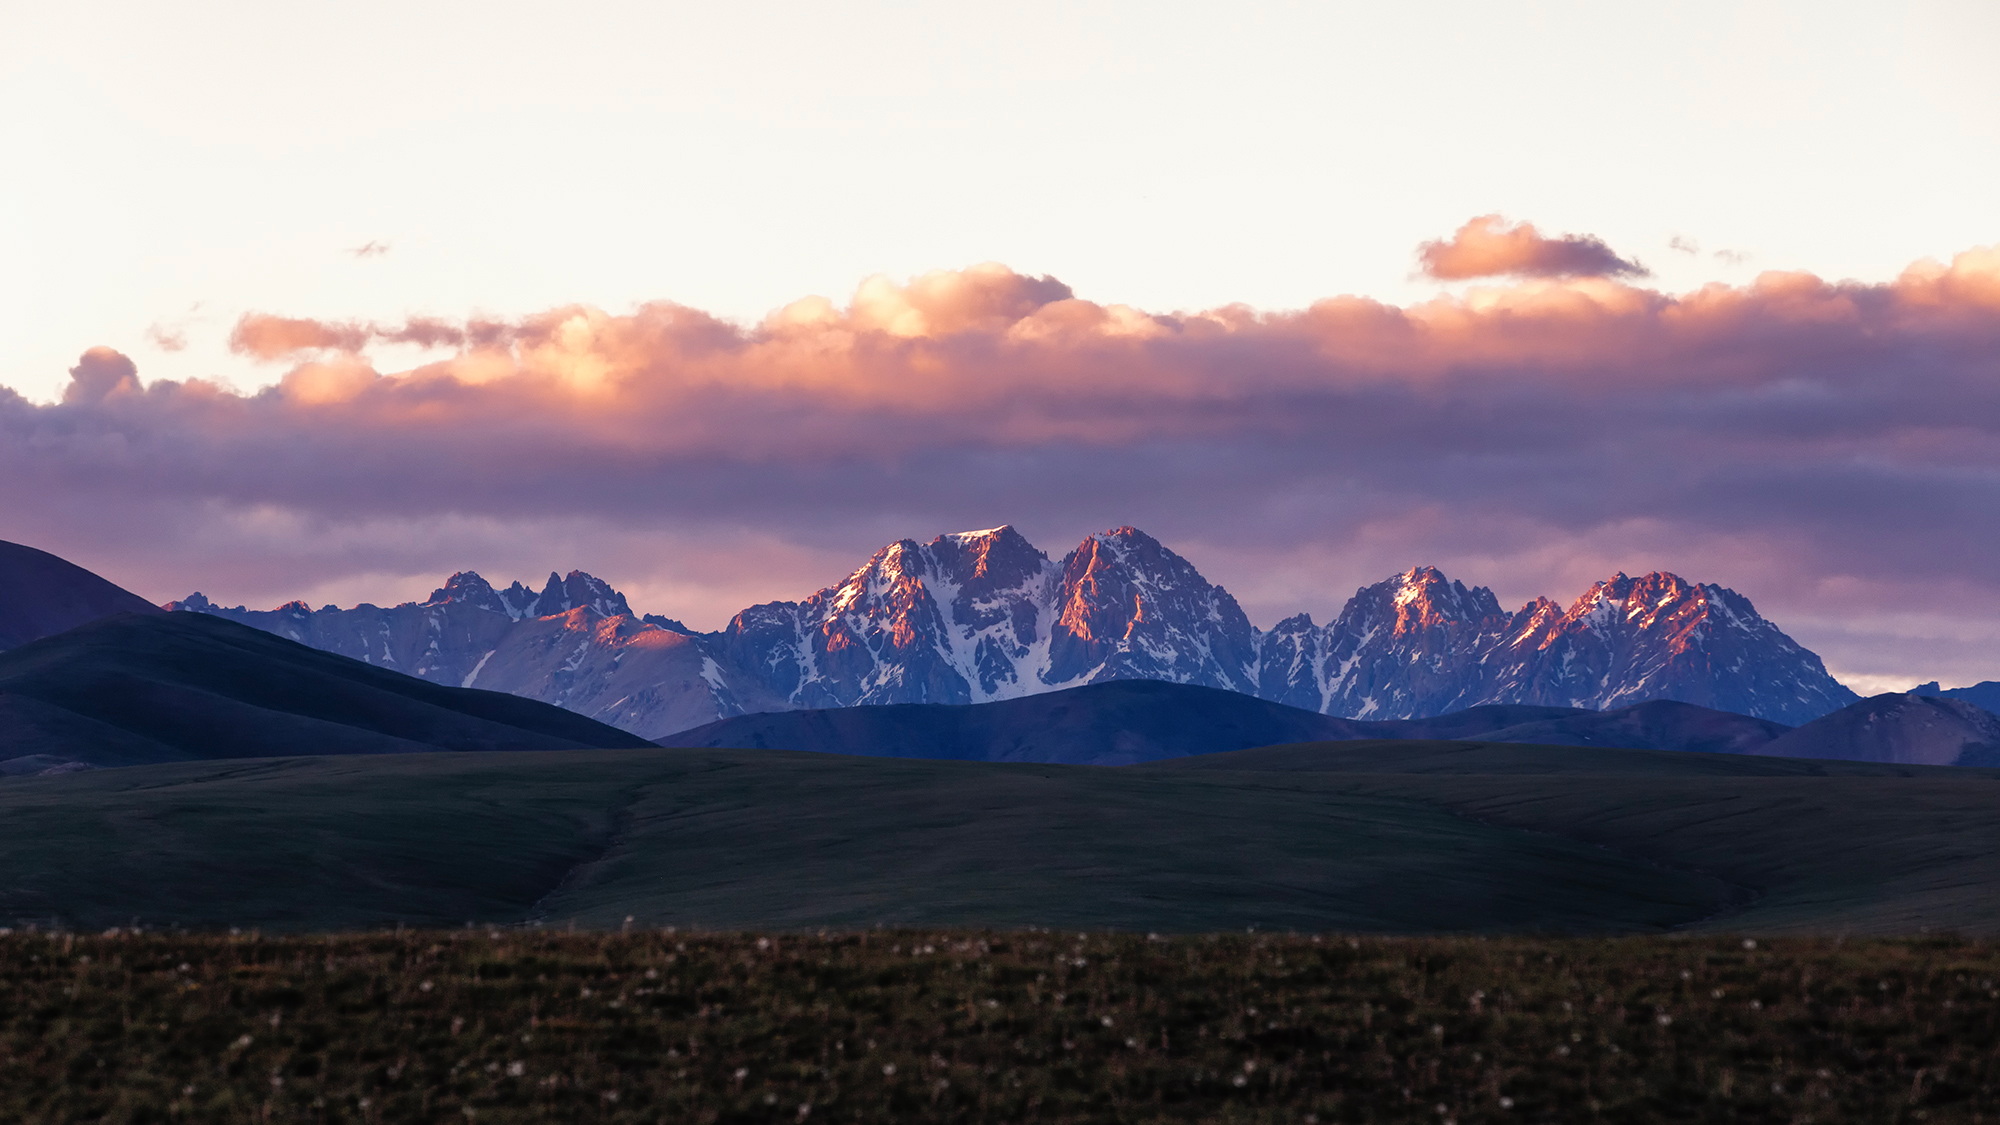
x=1122, y=535
x=465, y=586
x=967, y=538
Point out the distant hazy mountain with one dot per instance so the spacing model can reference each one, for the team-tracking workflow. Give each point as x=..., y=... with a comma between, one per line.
x=1984, y=695
x=983, y=616
x=141, y=688
x=1898, y=727
x=1131, y=721
x=576, y=644
x=41, y=595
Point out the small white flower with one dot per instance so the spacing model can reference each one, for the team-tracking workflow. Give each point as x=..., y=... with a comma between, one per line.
x=1749, y=943
x=425, y=987
x=1239, y=1080
x=1107, y=1021
x=1663, y=1019
x=1506, y=1103
x=516, y=1069
x=888, y=1070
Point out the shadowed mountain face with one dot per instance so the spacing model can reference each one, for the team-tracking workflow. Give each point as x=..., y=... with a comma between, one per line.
x=42, y=595
x=1898, y=727
x=1984, y=695
x=576, y=644
x=160, y=687
x=1132, y=721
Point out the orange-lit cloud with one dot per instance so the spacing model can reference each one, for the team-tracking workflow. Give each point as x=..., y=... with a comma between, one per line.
x=1488, y=247
x=1831, y=448
x=275, y=337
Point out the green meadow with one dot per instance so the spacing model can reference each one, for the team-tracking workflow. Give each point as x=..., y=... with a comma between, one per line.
x=1466, y=838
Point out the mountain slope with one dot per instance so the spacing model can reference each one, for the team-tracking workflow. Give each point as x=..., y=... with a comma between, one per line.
x=42, y=595
x=138, y=688
x=1898, y=727
x=575, y=645
x=1984, y=695
x=1125, y=722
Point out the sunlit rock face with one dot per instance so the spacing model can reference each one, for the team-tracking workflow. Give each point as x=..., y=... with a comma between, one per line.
x=1418, y=645
x=984, y=615
x=1409, y=646
x=1662, y=637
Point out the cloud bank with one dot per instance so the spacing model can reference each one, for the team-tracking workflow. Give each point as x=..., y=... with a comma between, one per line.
x=1488, y=247
x=1830, y=449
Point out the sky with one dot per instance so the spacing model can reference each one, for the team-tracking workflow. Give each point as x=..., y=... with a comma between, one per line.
x=715, y=300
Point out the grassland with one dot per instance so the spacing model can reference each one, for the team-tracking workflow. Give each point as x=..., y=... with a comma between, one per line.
x=957, y=1025
x=1400, y=837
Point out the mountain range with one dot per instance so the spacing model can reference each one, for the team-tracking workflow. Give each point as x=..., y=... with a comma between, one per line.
x=981, y=616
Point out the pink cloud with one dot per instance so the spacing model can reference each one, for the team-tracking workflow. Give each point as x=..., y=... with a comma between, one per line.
x=1799, y=439
x=276, y=337
x=1488, y=247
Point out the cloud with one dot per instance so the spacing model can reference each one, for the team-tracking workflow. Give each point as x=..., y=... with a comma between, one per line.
x=267, y=337
x=101, y=373
x=1830, y=449
x=370, y=249
x=1684, y=244
x=1488, y=247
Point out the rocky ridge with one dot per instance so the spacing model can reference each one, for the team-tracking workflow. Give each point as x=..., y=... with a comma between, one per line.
x=980, y=616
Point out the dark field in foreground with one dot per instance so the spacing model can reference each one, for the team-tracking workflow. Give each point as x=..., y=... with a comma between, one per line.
x=988, y=1026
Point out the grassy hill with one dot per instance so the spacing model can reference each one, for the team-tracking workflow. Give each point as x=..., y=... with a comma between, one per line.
x=1401, y=837
x=145, y=688
x=1128, y=722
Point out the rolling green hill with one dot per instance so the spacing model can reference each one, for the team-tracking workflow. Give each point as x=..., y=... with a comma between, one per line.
x=1401, y=837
